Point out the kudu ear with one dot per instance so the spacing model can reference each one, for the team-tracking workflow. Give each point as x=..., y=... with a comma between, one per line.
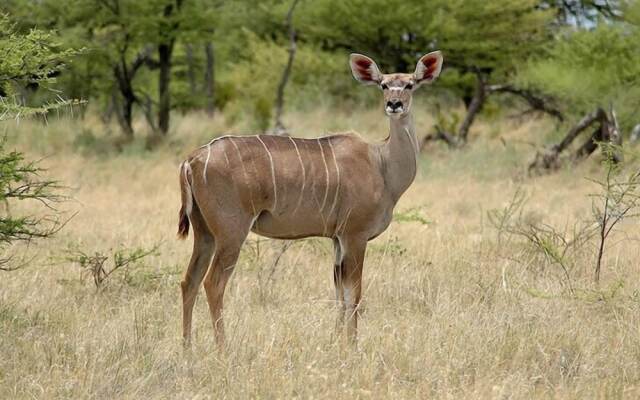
x=365, y=69
x=428, y=68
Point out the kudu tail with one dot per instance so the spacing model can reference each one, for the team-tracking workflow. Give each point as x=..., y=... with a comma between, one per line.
x=187, y=200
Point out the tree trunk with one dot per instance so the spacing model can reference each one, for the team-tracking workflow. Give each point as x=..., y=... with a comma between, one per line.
x=477, y=102
x=125, y=116
x=165, y=52
x=279, y=125
x=209, y=78
x=164, y=81
x=635, y=134
x=191, y=70
x=124, y=75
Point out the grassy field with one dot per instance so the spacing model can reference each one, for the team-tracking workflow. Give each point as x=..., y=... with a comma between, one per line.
x=453, y=307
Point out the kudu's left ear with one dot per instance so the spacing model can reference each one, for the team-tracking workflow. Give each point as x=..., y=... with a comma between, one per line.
x=428, y=68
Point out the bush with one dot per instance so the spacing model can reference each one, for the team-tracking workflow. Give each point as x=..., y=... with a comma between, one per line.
x=20, y=180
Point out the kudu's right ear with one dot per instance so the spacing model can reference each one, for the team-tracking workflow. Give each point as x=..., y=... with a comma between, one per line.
x=365, y=69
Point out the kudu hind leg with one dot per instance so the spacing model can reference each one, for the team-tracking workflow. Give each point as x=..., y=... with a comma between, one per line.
x=215, y=282
x=200, y=259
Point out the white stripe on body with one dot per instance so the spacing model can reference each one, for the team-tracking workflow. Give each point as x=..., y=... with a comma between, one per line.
x=342, y=226
x=304, y=175
x=206, y=163
x=246, y=176
x=273, y=174
x=335, y=197
x=414, y=144
x=226, y=157
x=253, y=163
x=326, y=170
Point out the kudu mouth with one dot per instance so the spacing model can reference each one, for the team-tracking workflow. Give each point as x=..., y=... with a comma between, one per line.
x=394, y=107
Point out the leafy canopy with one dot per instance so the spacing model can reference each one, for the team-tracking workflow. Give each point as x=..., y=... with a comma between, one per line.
x=28, y=60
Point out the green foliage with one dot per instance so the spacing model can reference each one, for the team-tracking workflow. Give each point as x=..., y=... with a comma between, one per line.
x=587, y=69
x=382, y=29
x=31, y=59
x=491, y=36
x=415, y=214
x=488, y=35
x=20, y=180
x=538, y=45
x=28, y=61
x=252, y=82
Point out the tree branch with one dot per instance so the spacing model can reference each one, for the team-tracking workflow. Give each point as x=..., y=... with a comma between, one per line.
x=279, y=126
x=535, y=101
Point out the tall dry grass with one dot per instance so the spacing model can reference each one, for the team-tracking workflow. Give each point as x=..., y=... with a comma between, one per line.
x=449, y=311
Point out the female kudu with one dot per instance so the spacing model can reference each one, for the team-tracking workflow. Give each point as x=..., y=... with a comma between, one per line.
x=338, y=187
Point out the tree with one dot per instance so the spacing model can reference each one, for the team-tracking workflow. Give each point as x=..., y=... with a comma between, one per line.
x=32, y=59
x=483, y=41
x=584, y=12
x=127, y=40
x=587, y=70
x=28, y=61
x=279, y=125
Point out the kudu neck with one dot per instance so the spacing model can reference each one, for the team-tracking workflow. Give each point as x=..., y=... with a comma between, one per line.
x=401, y=155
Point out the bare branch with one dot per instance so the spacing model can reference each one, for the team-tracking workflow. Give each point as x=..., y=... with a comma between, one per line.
x=536, y=102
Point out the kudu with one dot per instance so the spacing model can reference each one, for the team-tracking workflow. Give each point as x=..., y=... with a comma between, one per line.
x=338, y=186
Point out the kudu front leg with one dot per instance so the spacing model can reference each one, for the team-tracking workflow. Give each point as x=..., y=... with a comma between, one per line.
x=352, y=265
x=337, y=281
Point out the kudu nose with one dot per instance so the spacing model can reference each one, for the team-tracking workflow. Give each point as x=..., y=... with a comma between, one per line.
x=394, y=104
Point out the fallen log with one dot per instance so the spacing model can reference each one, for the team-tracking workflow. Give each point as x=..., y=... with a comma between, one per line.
x=607, y=130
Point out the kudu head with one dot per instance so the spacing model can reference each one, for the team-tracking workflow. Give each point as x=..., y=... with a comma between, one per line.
x=397, y=89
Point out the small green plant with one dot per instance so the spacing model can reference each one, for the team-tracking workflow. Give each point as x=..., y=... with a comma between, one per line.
x=619, y=199
x=557, y=247
x=100, y=266
x=413, y=214
x=393, y=247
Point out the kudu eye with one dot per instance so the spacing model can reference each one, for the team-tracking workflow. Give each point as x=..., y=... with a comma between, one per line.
x=384, y=86
x=409, y=87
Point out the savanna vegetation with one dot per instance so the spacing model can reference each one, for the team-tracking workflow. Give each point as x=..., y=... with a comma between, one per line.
x=510, y=270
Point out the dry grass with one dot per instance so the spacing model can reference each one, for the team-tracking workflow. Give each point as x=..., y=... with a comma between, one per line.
x=449, y=311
